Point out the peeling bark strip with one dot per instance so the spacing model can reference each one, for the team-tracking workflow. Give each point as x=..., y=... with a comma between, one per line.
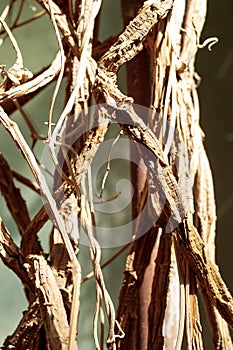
x=25, y=335
x=194, y=251
x=50, y=302
x=130, y=42
x=207, y=273
x=160, y=293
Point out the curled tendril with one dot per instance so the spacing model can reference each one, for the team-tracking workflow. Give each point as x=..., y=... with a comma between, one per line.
x=210, y=42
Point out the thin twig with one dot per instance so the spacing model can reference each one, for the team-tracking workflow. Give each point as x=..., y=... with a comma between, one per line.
x=27, y=21
x=22, y=3
x=16, y=135
x=61, y=73
x=35, y=84
x=108, y=165
x=35, y=136
x=19, y=58
x=30, y=184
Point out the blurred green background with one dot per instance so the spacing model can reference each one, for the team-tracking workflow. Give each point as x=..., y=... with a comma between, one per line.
x=38, y=45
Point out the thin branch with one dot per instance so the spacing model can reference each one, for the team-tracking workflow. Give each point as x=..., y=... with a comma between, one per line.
x=9, y=104
x=15, y=202
x=16, y=135
x=35, y=136
x=27, y=21
x=12, y=257
x=34, y=84
x=30, y=234
x=108, y=166
x=61, y=73
x=30, y=184
x=6, y=10
x=19, y=58
x=22, y=3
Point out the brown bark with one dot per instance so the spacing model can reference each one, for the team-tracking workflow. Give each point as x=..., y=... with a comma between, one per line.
x=138, y=73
